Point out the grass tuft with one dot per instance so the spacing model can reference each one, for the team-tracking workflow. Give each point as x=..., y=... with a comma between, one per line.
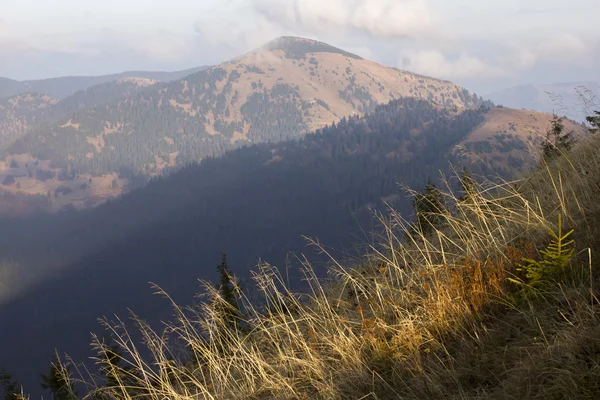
x=423, y=316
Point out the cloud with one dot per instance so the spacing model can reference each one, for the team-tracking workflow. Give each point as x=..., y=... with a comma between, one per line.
x=313, y=16
x=434, y=63
x=503, y=58
x=431, y=37
x=564, y=48
x=102, y=51
x=377, y=18
x=454, y=40
x=386, y=18
x=161, y=45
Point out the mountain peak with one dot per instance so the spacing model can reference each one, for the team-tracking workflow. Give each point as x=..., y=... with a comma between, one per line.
x=297, y=47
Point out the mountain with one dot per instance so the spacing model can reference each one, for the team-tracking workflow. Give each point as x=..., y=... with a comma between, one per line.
x=561, y=98
x=252, y=202
x=280, y=91
x=508, y=141
x=9, y=87
x=19, y=113
x=65, y=86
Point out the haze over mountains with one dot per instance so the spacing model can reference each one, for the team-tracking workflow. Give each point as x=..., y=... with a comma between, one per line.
x=21, y=112
x=65, y=86
x=254, y=202
x=271, y=94
x=294, y=138
x=110, y=138
x=573, y=100
x=322, y=186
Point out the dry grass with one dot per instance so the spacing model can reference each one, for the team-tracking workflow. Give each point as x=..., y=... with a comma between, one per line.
x=423, y=317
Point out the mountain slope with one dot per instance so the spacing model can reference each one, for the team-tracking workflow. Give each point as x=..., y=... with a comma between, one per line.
x=281, y=91
x=561, y=98
x=254, y=201
x=18, y=114
x=508, y=141
x=10, y=87
x=66, y=86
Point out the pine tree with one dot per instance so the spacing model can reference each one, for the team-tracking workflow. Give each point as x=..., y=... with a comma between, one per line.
x=557, y=141
x=120, y=380
x=430, y=209
x=555, y=259
x=594, y=121
x=112, y=367
x=10, y=386
x=467, y=185
x=57, y=382
x=230, y=310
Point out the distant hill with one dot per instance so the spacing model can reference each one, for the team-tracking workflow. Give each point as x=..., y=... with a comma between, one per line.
x=252, y=202
x=9, y=87
x=508, y=141
x=561, y=98
x=280, y=91
x=19, y=113
x=65, y=86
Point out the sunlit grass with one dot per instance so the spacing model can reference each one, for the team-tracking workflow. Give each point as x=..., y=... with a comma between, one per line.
x=431, y=316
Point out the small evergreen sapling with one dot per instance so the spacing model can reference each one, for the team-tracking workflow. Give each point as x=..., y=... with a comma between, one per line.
x=594, y=121
x=555, y=259
x=430, y=209
x=229, y=308
x=57, y=382
x=9, y=385
x=557, y=141
x=468, y=186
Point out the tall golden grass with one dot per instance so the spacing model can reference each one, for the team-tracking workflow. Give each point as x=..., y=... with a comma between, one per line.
x=433, y=317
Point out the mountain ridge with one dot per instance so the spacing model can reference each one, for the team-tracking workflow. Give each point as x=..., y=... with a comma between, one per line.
x=21, y=112
x=253, y=201
x=260, y=96
x=61, y=87
x=563, y=98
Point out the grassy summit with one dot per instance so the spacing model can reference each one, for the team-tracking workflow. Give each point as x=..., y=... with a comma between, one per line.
x=298, y=48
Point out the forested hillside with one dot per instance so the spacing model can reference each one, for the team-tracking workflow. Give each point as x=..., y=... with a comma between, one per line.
x=253, y=202
x=10, y=87
x=66, y=86
x=281, y=91
x=491, y=292
x=19, y=113
x=509, y=140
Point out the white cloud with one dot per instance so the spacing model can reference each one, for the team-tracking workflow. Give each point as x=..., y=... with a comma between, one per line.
x=388, y=18
x=377, y=18
x=462, y=39
x=528, y=52
x=509, y=58
x=439, y=39
x=434, y=63
x=162, y=45
x=315, y=16
x=561, y=47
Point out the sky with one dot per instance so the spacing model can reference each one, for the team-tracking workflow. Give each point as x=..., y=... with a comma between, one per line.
x=483, y=45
